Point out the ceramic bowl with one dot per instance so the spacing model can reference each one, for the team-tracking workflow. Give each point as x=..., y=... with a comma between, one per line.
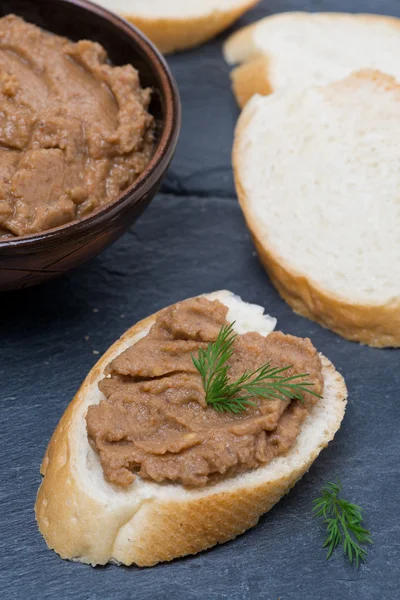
x=32, y=259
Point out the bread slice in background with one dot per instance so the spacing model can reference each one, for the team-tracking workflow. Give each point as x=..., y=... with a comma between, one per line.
x=317, y=172
x=84, y=518
x=179, y=24
x=300, y=48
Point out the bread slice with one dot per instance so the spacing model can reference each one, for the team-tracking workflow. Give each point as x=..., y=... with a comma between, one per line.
x=178, y=24
x=317, y=172
x=300, y=48
x=84, y=518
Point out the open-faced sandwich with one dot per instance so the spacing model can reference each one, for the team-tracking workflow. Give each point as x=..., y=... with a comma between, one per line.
x=192, y=425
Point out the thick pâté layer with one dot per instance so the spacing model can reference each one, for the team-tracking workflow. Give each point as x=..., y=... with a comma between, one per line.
x=74, y=130
x=155, y=422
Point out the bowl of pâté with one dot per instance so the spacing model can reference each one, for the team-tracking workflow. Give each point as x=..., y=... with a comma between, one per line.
x=89, y=120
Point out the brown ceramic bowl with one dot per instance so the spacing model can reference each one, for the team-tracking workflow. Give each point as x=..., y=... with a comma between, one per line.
x=31, y=259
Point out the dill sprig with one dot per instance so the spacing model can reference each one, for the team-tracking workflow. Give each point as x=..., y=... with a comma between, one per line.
x=265, y=382
x=343, y=523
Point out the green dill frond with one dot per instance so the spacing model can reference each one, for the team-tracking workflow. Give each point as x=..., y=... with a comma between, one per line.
x=265, y=382
x=343, y=522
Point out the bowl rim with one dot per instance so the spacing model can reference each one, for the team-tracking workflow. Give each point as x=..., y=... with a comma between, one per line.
x=158, y=163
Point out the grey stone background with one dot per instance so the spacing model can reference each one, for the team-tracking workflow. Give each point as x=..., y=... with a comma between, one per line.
x=193, y=239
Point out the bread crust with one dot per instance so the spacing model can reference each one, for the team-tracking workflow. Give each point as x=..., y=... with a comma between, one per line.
x=252, y=75
x=173, y=35
x=373, y=325
x=81, y=527
x=251, y=78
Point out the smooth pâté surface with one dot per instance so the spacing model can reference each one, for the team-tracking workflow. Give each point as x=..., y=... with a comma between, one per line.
x=193, y=239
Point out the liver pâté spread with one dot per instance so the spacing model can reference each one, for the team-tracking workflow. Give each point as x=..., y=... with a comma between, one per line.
x=74, y=130
x=155, y=422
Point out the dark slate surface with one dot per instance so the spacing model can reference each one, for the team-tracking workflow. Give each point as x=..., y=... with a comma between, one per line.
x=193, y=239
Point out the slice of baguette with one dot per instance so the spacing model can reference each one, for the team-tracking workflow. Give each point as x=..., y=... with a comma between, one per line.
x=317, y=172
x=179, y=24
x=84, y=518
x=303, y=49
